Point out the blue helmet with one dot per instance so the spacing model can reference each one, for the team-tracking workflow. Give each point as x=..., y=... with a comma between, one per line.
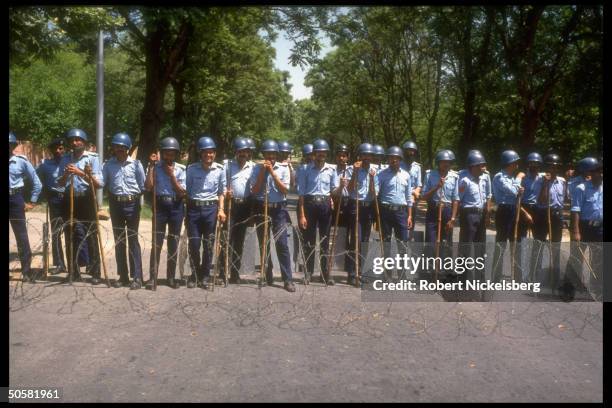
x=379, y=150
x=410, y=145
x=122, y=139
x=169, y=143
x=444, y=155
x=475, y=158
x=74, y=132
x=509, y=157
x=587, y=162
x=55, y=142
x=241, y=143
x=342, y=148
x=307, y=149
x=284, y=146
x=206, y=142
x=320, y=145
x=552, y=159
x=395, y=151
x=269, y=146
x=251, y=143
x=365, y=148
x=534, y=157
x=12, y=138
x=591, y=164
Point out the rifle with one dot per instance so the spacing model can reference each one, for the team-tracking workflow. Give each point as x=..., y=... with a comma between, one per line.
x=93, y=196
x=46, y=243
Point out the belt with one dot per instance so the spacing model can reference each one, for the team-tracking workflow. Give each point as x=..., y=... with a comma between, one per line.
x=472, y=210
x=57, y=194
x=273, y=205
x=13, y=191
x=362, y=203
x=124, y=198
x=316, y=198
x=81, y=193
x=239, y=200
x=506, y=205
x=394, y=207
x=203, y=203
x=168, y=198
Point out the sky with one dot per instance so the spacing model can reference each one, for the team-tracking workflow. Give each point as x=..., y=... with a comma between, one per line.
x=283, y=50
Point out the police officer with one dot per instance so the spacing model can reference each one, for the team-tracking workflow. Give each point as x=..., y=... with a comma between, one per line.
x=342, y=166
x=529, y=198
x=316, y=184
x=205, y=189
x=19, y=169
x=587, y=217
x=284, y=153
x=48, y=172
x=410, y=164
x=72, y=169
x=252, y=147
x=379, y=157
x=307, y=158
x=506, y=187
x=238, y=172
x=487, y=182
x=273, y=177
x=580, y=176
x=363, y=188
x=550, y=192
x=396, y=200
x=441, y=189
x=474, y=200
x=170, y=190
x=124, y=181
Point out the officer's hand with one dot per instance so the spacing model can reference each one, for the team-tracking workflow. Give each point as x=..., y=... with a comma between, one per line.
x=221, y=216
x=167, y=169
x=409, y=222
x=521, y=190
x=357, y=164
x=441, y=182
x=576, y=235
x=520, y=175
x=268, y=165
x=229, y=194
x=449, y=225
x=303, y=223
x=72, y=169
x=29, y=206
x=416, y=195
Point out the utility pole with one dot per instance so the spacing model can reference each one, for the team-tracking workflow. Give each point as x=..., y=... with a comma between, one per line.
x=100, y=107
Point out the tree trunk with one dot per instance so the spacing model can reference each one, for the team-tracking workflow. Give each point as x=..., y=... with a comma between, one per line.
x=179, y=109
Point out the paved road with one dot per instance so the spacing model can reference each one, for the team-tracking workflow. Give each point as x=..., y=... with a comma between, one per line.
x=319, y=344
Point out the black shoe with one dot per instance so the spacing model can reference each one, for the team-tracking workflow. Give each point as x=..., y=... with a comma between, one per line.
x=204, y=283
x=96, y=281
x=172, y=283
x=191, y=284
x=330, y=281
x=289, y=286
x=120, y=283
x=136, y=284
x=25, y=277
x=352, y=280
x=56, y=270
x=234, y=280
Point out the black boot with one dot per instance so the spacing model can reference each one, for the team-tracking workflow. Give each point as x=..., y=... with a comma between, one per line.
x=173, y=283
x=136, y=284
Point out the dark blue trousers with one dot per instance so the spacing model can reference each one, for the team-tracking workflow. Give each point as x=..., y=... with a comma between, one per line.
x=472, y=231
x=170, y=214
x=239, y=222
x=18, y=223
x=125, y=217
x=85, y=233
x=504, y=226
x=56, y=216
x=279, y=218
x=364, y=224
x=201, y=223
x=318, y=216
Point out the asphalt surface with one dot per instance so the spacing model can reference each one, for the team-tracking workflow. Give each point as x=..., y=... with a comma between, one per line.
x=242, y=343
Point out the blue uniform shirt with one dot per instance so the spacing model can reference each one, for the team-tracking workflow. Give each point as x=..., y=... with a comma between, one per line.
x=19, y=168
x=315, y=181
x=530, y=196
x=487, y=181
x=239, y=178
x=473, y=192
x=205, y=184
x=449, y=192
x=274, y=195
x=505, y=188
x=572, y=184
x=125, y=178
x=49, y=172
x=163, y=184
x=588, y=201
x=395, y=187
x=557, y=192
x=415, y=173
x=363, y=184
x=80, y=184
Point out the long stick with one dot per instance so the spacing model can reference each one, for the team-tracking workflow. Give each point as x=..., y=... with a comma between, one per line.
x=217, y=251
x=515, y=232
x=550, y=238
x=93, y=196
x=154, y=229
x=357, y=238
x=330, y=260
x=378, y=224
x=438, y=235
x=46, y=242
x=71, y=243
x=229, y=218
x=265, y=233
